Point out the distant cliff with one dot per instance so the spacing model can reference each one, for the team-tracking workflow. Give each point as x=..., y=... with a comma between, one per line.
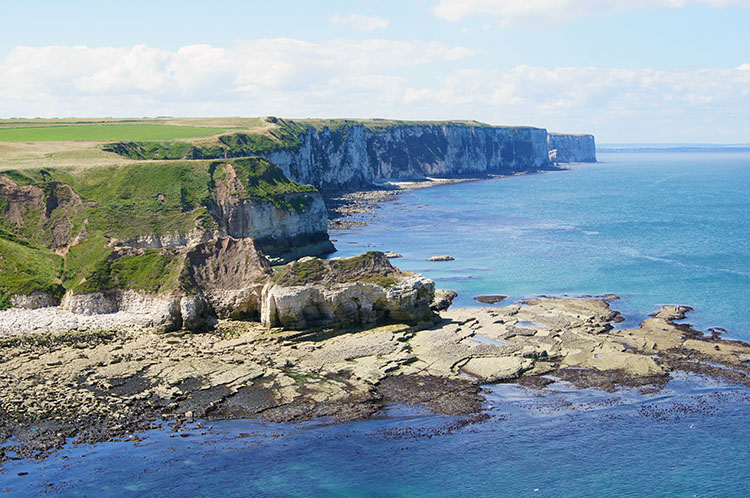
x=566, y=148
x=359, y=156
x=350, y=154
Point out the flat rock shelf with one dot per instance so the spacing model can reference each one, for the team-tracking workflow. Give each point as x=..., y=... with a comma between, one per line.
x=105, y=384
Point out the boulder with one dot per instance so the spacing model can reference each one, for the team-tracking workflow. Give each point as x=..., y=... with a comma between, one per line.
x=491, y=299
x=443, y=299
x=443, y=257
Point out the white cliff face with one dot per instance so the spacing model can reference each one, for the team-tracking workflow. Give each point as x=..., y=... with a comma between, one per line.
x=263, y=220
x=121, y=308
x=356, y=157
x=33, y=301
x=171, y=240
x=566, y=148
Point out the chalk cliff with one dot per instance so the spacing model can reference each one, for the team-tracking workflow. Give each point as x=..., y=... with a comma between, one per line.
x=358, y=156
x=567, y=148
x=350, y=154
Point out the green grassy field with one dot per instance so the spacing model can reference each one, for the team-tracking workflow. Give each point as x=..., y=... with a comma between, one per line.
x=104, y=132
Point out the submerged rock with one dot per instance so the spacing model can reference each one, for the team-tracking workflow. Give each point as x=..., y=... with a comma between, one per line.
x=491, y=299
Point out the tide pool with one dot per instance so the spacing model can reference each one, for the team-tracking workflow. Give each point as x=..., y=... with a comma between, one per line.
x=653, y=228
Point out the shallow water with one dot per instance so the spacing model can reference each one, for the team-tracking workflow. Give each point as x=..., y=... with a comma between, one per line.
x=653, y=228
x=693, y=439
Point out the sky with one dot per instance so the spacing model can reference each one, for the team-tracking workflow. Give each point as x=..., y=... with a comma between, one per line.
x=640, y=71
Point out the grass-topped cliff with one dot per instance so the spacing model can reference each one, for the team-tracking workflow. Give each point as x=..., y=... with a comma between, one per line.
x=267, y=135
x=59, y=227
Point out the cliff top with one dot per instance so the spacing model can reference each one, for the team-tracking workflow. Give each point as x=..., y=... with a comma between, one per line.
x=83, y=142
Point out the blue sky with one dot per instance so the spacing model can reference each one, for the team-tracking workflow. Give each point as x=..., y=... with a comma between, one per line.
x=641, y=71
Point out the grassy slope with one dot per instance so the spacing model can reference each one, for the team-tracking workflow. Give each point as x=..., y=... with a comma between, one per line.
x=371, y=267
x=25, y=268
x=125, y=201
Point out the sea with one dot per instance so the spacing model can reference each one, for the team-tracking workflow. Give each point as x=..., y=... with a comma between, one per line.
x=654, y=227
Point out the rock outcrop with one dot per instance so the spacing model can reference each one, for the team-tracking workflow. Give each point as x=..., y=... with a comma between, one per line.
x=568, y=148
x=230, y=274
x=51, y=215
x=361, y=291
x=228, y=278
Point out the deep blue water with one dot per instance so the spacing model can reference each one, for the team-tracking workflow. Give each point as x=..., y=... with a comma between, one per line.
x=653, y=228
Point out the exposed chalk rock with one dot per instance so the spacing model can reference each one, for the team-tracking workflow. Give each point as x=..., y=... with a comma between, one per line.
x=359, y=291
x=569, y=148
x=357, y=156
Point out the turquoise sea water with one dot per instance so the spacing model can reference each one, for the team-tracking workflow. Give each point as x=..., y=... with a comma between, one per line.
x=653, y=228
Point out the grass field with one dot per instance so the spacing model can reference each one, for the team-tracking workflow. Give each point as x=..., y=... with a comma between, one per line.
x=104, y=132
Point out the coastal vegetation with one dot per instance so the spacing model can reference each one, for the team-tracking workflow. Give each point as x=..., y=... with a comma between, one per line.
x=278, y=134
x=371, y=267
x=59, y=225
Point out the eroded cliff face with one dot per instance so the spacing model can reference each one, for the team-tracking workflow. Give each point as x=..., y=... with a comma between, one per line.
x=229, y=278
x=221, y=278
x=52, y=216
x=283, y=233
x=567, y=148
x=357, y=156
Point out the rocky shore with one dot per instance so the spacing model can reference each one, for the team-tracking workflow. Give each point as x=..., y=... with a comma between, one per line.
x=97, y=385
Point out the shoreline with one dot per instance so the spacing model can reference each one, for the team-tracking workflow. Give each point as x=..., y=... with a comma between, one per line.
x=347, y=210
x=110, y=385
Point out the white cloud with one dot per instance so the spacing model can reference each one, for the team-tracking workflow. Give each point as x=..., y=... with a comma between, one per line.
x=545, y=12
x=51, y=80
x=361, y=22
x=374, y=78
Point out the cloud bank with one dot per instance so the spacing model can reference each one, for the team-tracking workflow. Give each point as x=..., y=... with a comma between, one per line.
x=374, y=78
